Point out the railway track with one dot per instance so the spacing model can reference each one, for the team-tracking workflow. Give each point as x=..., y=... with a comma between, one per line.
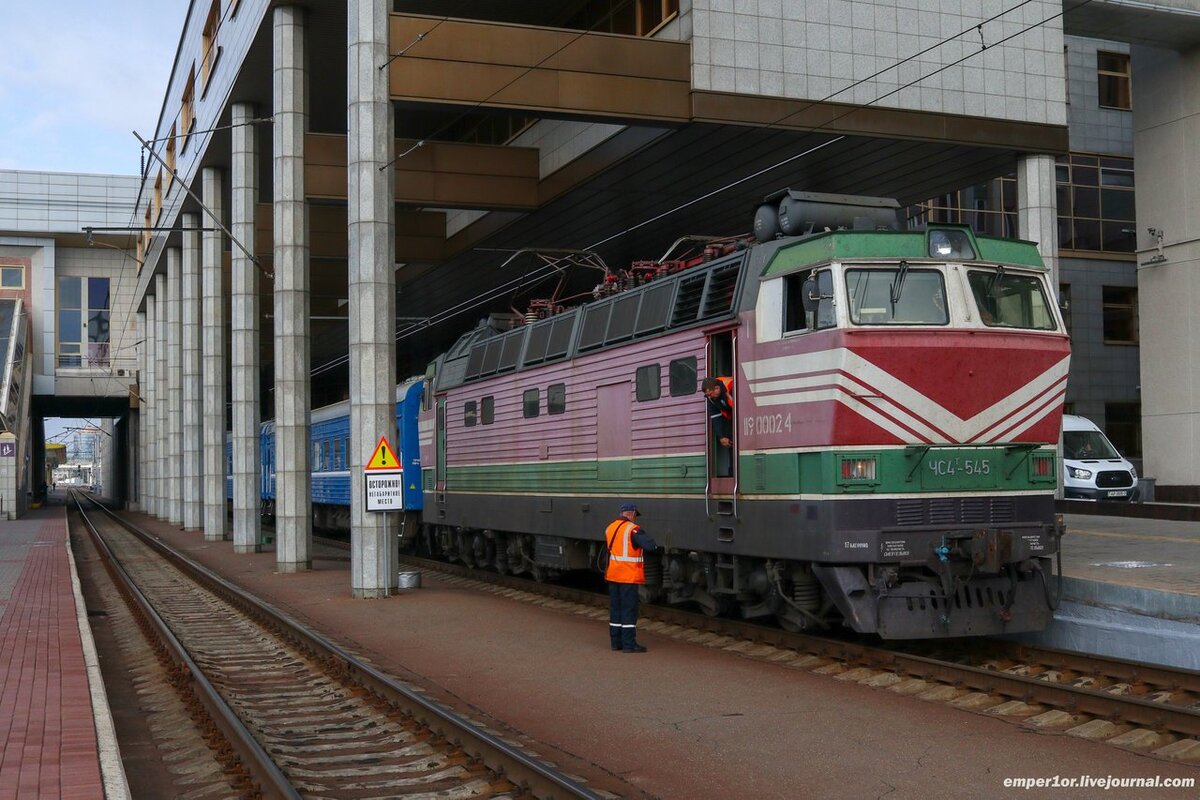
x=1141, y=707
x=299, y=716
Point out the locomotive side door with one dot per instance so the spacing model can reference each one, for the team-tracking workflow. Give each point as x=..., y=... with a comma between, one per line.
x=722, y=460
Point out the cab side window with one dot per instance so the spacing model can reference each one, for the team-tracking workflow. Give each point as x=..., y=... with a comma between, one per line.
x=795, y=318
x=826, y=316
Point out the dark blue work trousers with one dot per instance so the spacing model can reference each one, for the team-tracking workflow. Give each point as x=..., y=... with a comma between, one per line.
x=622, y=615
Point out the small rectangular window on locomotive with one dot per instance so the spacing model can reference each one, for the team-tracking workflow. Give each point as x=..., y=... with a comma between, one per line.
x=531, y=403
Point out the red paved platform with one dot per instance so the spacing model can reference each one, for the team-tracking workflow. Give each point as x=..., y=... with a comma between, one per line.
x=48, y=746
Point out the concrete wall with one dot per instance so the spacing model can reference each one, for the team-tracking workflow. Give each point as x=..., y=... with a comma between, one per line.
x=56, y=202
x=816, y=49
x=1094, y=129
x=1166, y=129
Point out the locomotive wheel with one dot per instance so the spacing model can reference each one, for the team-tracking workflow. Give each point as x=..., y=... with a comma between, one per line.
x=714, y=605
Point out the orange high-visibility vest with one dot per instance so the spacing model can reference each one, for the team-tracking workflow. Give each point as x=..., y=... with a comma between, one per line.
x=624, y=558
x=728, y=384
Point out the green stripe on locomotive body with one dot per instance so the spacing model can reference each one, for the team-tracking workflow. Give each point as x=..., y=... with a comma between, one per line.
x=899, y=470
x=837, y=246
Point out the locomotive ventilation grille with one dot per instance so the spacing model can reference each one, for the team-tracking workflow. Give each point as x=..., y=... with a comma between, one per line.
x=955, y=511
x=1118, y=478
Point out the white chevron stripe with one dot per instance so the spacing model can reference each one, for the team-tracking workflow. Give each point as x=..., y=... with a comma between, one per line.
x=874, y=393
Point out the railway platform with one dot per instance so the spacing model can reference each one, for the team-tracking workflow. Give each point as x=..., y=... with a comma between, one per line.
x=683, y=720
x=56, y=737
x=1131, y=591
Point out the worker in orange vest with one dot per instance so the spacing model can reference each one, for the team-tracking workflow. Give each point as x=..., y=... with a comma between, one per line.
x=719, y=392
x=625, y=573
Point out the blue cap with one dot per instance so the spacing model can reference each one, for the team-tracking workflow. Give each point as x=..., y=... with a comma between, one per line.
x=630, y=507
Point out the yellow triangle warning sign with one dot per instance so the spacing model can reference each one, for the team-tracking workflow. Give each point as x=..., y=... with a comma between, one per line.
x=383, y=457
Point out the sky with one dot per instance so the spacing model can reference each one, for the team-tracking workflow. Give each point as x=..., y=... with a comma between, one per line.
x=77, y=77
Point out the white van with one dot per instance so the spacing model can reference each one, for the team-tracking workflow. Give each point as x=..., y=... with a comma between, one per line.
x=1092, y=467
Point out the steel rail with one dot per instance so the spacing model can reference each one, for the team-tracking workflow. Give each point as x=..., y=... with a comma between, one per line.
x=1073, y=699
x=523, y=770
x=271, y=782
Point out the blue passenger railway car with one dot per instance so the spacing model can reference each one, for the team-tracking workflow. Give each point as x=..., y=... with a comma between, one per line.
x=329, y=451
x=888, y=463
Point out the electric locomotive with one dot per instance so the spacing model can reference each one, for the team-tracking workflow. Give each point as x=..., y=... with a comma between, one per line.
x=897, y=400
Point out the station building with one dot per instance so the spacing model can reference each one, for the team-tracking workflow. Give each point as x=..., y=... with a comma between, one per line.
x=66, y=318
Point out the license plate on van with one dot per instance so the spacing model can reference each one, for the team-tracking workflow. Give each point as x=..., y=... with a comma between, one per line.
x=1122, y=493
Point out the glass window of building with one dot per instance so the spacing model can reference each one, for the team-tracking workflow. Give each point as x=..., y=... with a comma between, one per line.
x=83, y=322
x=1123, y=426
x=1096, y=203
x=637, y=18
x=1120, y=315
x=12, y=277
x=1114, y=80
x=1095, y=197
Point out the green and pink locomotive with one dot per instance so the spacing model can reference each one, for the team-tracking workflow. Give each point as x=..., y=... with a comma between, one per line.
x=897, y=400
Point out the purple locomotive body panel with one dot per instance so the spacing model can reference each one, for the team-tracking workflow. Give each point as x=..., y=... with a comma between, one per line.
x=602, y=417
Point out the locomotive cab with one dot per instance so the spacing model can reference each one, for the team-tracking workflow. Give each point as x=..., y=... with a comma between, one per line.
x=923, y=375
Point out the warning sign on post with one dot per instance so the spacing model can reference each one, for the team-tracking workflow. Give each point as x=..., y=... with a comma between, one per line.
x=383, y=457
x=384, y=479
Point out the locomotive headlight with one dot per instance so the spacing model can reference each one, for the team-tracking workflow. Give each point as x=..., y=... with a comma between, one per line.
x=1079, y=474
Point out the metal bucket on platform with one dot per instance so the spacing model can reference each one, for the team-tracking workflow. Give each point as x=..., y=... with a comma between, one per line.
x=409, y=580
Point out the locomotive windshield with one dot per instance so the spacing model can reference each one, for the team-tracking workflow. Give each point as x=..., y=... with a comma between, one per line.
x=878, y=297
x=1011, y=301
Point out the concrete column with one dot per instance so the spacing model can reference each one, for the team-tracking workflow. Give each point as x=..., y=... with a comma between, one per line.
x=148, y=411
x=370, y=145
x=1037, y=210
x=293, y=478
x=140, y=452
x=245, y=366
x=216, y=520
x=1166, y=120
x=175, y=442
x=162, y=400
x=1037, y=221
x=191, y=398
